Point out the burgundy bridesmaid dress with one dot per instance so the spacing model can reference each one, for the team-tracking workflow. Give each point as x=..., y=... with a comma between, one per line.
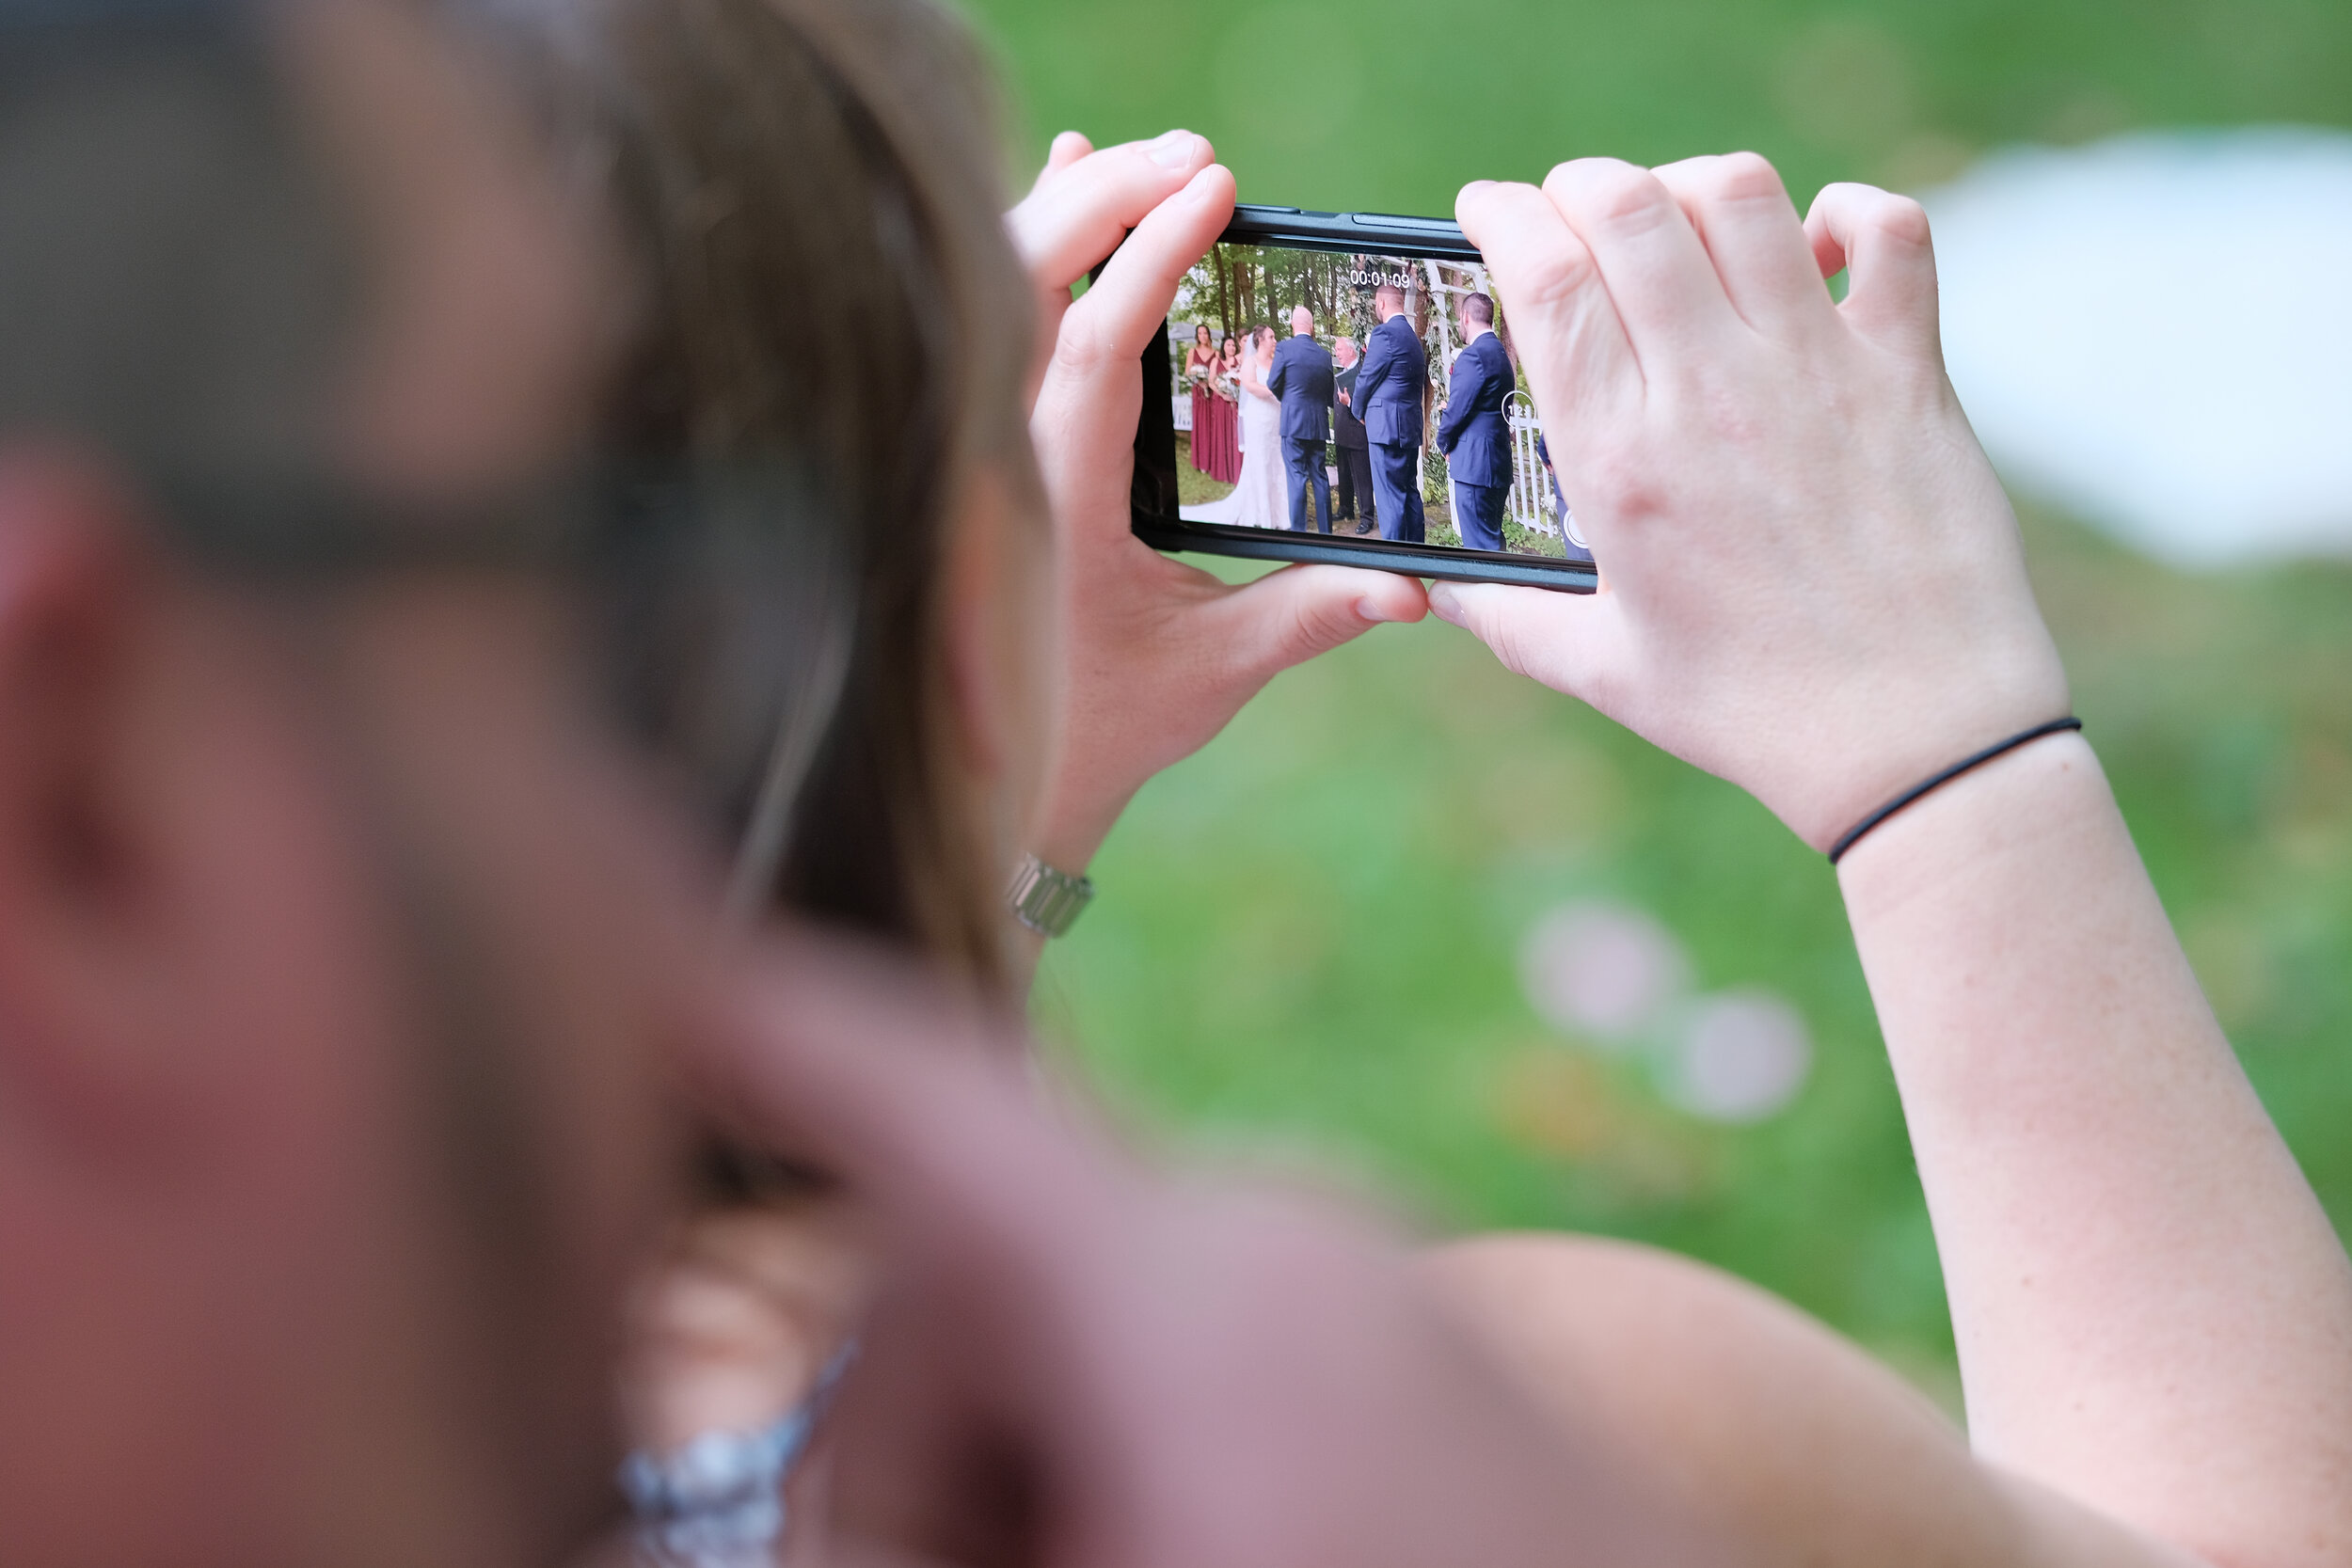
x=1225, y=450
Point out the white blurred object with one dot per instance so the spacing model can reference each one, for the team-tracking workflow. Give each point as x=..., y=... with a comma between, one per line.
x=1602, y=970
x=2156, y=332
x=1738, y=1056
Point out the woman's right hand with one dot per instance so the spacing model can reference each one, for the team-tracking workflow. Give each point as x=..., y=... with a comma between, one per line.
x=1813, y=584
x=1160, y=654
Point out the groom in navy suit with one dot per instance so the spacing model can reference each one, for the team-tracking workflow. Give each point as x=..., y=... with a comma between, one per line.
x=1389, y=384
x=1302, y=377
x=1473, y=434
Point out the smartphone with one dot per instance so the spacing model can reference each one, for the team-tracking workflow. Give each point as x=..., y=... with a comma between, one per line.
x=1344, y=387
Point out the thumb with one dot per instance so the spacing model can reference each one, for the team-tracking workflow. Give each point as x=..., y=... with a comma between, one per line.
x=1288, y=617
x=1572, y=643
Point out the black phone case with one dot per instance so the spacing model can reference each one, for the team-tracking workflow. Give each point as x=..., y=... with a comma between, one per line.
x=1154, y=496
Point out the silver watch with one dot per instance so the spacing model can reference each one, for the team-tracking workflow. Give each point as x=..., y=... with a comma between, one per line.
x=1045, y=900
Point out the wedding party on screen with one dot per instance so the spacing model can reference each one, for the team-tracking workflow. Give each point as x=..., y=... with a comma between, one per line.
x=1364, y=396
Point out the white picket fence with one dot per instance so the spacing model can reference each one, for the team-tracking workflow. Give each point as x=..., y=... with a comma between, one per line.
x=1179, y=346
x=1530, y=502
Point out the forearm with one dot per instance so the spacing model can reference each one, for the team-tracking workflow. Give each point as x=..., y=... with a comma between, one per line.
x=2152, y=1312
x=1079, y=812
x=1787, y=1439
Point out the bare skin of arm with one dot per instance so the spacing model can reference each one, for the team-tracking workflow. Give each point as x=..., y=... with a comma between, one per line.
x=2154, y=1318
x=2152, y=1309
x=1770, y=1428
x=1157, y=654
x=2152, y=1312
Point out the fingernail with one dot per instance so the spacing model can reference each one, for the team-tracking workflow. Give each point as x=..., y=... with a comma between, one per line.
x=1172, y=151
x=1444, y=605
x=1369, y=610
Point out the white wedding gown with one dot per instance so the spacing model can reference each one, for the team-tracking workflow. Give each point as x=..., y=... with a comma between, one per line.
x=1261, y=497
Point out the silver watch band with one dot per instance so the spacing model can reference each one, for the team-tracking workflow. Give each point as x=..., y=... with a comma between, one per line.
x=1045, y=900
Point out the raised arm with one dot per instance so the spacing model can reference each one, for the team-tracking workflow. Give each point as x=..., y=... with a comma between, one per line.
x=1159, y=654
x=2155, y=1316
x=2152, y=1311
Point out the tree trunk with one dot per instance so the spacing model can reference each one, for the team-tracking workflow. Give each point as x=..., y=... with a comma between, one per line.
x=1429, y=384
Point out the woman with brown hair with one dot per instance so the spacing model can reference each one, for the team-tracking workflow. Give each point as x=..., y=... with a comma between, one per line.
x=1199, y=370
x=808, y=193
x=1225, y=451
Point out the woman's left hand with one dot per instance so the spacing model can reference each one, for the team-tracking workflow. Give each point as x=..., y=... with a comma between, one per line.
x=1160, y=654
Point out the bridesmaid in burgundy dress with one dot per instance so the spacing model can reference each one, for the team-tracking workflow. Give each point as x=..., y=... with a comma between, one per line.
x=1199, y=369
x=1224, y=446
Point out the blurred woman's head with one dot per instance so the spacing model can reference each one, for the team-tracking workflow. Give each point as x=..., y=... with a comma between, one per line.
x=810, y=192
x=1201, y=335
x=1230, y=347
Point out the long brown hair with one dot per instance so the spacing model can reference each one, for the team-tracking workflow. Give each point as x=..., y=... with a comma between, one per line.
x=810, y=189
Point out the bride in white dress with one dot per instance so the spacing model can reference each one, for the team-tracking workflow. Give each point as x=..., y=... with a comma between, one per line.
x=1261, y=497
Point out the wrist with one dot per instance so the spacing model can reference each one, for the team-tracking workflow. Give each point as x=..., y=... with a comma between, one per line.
x=1046, y=899
x=1064, y=849
x=1972, y=830
x=1999, y=926
x=1075, y=823
x=1890, y=736
x=1846, y=840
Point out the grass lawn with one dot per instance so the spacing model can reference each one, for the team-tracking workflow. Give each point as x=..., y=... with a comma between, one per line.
x=1306, y=933
x=1193, y=487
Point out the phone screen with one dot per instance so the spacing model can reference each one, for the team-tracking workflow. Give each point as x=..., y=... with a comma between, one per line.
x=1358, y=395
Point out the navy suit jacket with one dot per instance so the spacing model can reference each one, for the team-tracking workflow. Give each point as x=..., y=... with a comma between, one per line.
x=1346, y=429
x=1389, y=382
x=1302, y=377
x=1473, y=434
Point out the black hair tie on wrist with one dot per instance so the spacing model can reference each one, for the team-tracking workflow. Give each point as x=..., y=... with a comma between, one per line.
x=1938, y=780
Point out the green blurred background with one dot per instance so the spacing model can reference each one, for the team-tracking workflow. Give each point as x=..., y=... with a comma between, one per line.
x=1307, y=943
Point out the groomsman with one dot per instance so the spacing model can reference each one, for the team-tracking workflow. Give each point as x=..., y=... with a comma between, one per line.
x=1473, y=434
x=1390, y=386
x=1569, y=548
x=1302, y=377
x=1347, y=434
